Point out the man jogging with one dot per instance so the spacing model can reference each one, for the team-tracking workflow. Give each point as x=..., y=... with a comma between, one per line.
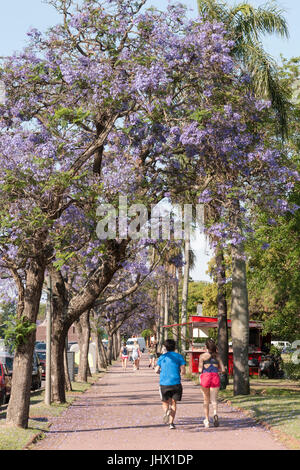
x=170, y=366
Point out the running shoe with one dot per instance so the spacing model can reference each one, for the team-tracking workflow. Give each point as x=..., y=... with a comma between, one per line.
x=166, y=417
x=206, y=423
x=216, y=421
x=172, y=426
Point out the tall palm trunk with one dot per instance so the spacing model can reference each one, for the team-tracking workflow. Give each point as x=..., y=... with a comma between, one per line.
x=222, y=309
x=166, y=310
x=240, y=323
x=185, y=289
x=175, y=306
x=161, y=317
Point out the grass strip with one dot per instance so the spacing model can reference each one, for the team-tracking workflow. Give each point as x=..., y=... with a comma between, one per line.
x=14, y=438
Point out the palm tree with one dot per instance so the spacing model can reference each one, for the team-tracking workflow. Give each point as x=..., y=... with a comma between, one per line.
x=168, y=293
x=246, y=25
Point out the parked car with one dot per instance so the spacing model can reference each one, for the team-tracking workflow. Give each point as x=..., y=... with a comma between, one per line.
x=5, y=384
x=140, y=340
x=36, y=373
x=40, y=346
x=42, y=357
x=281, y=344
x=7, y=359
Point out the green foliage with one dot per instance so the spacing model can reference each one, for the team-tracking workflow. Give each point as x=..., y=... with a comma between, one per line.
x=292, y=371
x=7, y=311
x=196, y=296
x=210, y=307
x=274, y=275
x=147, y=333
x=66, y=116
x=17, y=331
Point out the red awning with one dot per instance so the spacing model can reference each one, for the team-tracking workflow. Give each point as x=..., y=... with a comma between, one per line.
x=211, y=324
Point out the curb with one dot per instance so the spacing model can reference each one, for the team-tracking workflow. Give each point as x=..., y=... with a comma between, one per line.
x=33, y=440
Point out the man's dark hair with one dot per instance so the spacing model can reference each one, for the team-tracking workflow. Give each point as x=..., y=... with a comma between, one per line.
x=170, y=344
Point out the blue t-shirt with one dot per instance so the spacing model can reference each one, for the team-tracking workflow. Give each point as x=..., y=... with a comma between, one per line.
x=169, y=364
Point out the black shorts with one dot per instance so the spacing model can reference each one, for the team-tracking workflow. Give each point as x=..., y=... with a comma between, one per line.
x=171, y=391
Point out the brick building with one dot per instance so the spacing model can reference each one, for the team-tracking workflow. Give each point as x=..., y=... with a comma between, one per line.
x=41, y=332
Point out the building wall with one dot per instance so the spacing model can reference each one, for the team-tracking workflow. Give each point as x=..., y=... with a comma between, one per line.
x=41, y=333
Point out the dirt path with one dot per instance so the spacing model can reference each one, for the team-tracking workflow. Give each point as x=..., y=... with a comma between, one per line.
x=123, y=411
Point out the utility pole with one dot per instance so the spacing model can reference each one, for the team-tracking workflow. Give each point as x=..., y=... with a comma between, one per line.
x=48, y=341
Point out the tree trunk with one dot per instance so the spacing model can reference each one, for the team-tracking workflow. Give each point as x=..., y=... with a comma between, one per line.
x=175, y=307
x=109, y=347
x=185, y=289
x=222, y=309
x=161, y=318
x=103, y=362
x=59, y=335
x=240, y=323
x=68, y=383
x=166, y=311
x=18, y=407
x=83, y=370
x=57, y=365
x=180, y=285
x=115, y=346
x=95, y=340
x=118, y=342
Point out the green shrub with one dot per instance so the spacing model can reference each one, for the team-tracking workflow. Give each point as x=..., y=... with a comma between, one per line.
x=291, y=370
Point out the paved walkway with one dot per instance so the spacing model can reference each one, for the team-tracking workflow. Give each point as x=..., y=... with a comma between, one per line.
x=122, y=411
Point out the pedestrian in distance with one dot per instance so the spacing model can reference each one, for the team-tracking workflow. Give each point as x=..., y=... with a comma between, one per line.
x=170, y=366
x=124, y=356
x=136, y=354
x=152, y=354
x=209, y=366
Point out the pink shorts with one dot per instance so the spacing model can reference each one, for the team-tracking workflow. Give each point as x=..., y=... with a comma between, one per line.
x=210, y=380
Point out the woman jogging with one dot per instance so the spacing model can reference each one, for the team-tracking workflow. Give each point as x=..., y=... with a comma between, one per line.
x=124, y=356
x=209, y=366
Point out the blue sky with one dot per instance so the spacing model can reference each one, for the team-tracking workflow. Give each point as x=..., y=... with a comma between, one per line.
x=18, y=16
